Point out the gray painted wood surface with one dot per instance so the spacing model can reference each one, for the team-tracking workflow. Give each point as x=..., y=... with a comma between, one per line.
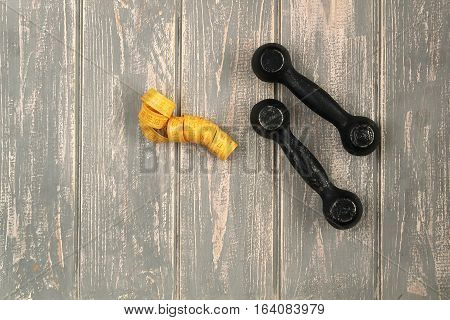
x=338, y=52
x=415, y=220
x=227, y=209
x=128, y=185
x=90, y=210
x=37, y=149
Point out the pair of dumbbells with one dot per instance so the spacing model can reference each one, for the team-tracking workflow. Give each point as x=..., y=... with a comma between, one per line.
x=270, y=118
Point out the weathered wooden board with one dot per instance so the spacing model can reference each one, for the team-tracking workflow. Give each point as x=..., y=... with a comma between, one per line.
x=333, y=43
x=128, y=184
x=37, y=149
x=172, y=221
x=415, y=225
x=226, y=208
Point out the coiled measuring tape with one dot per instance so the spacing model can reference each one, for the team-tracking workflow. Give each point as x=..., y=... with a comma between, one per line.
x=158, y=125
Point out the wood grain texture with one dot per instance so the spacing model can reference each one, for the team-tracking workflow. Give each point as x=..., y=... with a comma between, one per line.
x=227, y=208
x=415, y=154
x=172, y=221
x=333, y=43
x=37, y=202
x=128, y=184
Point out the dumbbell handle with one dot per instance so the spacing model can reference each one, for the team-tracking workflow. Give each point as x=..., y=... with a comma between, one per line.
x=272, y=63
x=305, y=163
x=341, y=208
x=270, y=119
x=317, y=99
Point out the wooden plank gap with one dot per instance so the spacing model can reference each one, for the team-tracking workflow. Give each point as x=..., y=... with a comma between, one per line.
x=178, y=94
x=78, y=138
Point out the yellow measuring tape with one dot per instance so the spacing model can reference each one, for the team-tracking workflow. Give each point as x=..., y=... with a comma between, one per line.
x=158, y=125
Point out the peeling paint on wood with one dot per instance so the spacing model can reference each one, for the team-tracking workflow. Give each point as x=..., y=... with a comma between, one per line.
x=415, y=113
x=334, y=45
x=167, y=221
x=128, y=184
x=227, y=208
x=37, y=150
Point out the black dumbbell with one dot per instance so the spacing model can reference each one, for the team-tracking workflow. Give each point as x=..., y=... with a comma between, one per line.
x=272, y=63
x=270, y=119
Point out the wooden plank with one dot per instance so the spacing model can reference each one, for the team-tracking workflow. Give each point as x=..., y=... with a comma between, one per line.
x=415, y=157
x=128, y=184
x=226, y=208
x=333, y=43
x=37, y=164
